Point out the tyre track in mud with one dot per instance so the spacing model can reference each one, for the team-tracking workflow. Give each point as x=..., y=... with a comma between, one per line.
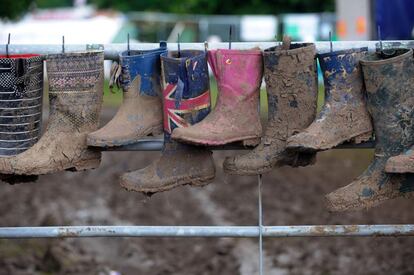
x=246, y=251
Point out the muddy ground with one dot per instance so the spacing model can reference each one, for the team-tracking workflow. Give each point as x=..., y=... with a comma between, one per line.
x=290, y=197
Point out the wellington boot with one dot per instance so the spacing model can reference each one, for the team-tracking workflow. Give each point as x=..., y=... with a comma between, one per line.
x=75, y=94
x=236, y=115
x=344, y=116
x=291, y=83
x=186, y=100
x=140, y=114
x=179, y=164
x=390, y=100
x=21, y=94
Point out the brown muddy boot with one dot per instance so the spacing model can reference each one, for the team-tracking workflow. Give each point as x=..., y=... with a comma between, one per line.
x=186, y=100
x=390, y=99
x=75, y=94
x=236, y=114
x=291, y=83
x=344, y=116
x=140, y=114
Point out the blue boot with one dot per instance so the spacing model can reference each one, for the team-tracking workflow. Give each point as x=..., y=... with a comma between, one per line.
x=140, y=114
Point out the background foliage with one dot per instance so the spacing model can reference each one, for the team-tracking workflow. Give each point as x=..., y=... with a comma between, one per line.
x=12, y=9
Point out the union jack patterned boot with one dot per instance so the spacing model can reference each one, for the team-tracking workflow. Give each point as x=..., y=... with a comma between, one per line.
x=390, y=100
x=236, y=114
x=75, y=96
x=186, y=100
x=21, y=94
x=140, y=114
x=344, y=116
x=291, y=84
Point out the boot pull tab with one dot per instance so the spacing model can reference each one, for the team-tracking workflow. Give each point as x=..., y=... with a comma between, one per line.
x=286, y=42
x=114, y=76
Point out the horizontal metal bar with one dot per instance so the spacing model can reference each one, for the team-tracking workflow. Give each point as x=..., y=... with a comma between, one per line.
x=208, y=231
x=112, y=50
x=157, y=143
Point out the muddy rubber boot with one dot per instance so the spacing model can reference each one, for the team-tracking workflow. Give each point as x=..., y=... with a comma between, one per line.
x=291, y=84
x=390, y=100
x=75, y=96
x=140, y=114
x=236, y=114
x=186, y=100
x=21, y=94
x=344, y=116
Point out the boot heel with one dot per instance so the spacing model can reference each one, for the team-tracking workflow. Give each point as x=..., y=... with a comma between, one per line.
x=251, y=142
x=86, y=164
x=362, y=138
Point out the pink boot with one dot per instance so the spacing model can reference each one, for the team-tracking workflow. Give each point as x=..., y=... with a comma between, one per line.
x=236, y=115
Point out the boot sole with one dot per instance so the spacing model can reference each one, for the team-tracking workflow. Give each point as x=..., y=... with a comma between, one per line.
x=230, y=169
x=354, y=139
x=152, y=131
x=197, y=182
x=245, y=172
x=250, y=141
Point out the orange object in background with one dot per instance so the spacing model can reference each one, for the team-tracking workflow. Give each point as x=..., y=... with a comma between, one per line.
x=341, y=28
x=361, y=25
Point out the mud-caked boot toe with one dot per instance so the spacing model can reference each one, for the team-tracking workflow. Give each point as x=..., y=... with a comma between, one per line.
x=144, y=180
x=403, y=163
x=247, y=164
x=303, y=142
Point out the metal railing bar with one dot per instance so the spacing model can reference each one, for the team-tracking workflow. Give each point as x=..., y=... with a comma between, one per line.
x=112, y=50
x=386, y=230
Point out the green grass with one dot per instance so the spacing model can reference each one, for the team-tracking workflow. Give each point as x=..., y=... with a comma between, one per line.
x=112, y=99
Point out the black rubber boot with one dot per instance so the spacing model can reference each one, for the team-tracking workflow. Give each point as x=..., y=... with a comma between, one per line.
x=390, y=100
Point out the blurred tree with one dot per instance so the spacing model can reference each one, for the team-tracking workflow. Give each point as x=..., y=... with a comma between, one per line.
x=13, y=8
x=220, y=6
x=52, y=3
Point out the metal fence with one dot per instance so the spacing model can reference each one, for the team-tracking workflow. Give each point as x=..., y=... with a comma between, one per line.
x=152, y=144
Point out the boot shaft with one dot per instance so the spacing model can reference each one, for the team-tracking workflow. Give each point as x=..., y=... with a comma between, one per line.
x=21, y=91
x=291, y=84
x=342, y=75
x=143, y=64
x=75, y=89
x=186, y=95
x=390, y=99
x=238, y=73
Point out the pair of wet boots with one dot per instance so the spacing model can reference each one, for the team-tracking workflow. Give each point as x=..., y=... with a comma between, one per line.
x=366, y=92
x=75, y=95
